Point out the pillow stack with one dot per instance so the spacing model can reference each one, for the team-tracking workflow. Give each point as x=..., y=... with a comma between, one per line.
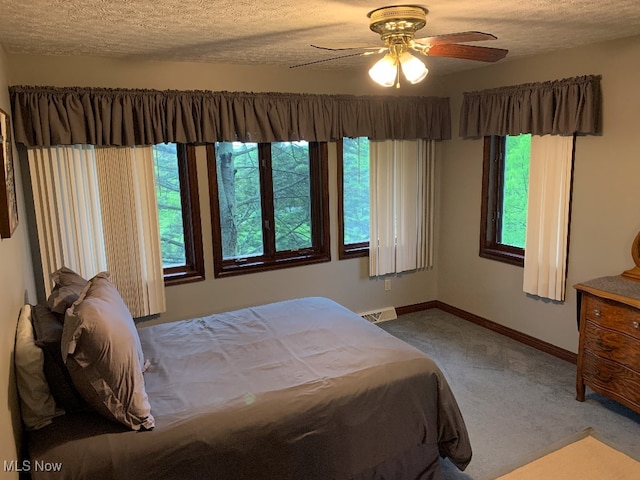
x=92, y=353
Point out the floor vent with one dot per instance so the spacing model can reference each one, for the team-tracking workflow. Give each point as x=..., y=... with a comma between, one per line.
x=382, y=315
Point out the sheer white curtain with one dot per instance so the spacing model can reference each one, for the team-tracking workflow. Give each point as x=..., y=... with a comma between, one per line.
x=67, y=208
x=401, y=205
x=545, y=259
x=95, y=211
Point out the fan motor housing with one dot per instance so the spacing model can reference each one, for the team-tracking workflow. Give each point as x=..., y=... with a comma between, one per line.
x=397, y=19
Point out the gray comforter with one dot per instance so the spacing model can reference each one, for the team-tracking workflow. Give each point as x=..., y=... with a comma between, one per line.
x=302, y=389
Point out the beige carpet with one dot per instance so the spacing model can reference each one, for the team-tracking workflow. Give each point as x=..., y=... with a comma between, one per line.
x=587, y=458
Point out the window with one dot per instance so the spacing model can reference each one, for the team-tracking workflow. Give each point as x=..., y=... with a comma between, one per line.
x=179, y=213
x=353, y=197
x=269, y=205
x=504, y=198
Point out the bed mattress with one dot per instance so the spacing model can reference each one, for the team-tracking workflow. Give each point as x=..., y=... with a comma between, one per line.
x=301, y=389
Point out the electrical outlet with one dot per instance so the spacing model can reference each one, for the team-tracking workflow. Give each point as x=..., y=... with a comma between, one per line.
x=387, y=284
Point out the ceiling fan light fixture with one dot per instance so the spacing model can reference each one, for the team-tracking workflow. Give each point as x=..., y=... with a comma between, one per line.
x=397, y=19
x=397, y=26
x=385, y=71
x=413, y=68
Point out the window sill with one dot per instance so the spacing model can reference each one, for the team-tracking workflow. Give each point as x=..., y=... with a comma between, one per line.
x=354, y=252
x=510, y=257
x=181, y=277
x=230, y=268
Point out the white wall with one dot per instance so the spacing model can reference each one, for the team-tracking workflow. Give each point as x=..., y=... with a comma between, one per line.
x=345, y=281
x=16, y=288
x=117, y=73
x=605, y=213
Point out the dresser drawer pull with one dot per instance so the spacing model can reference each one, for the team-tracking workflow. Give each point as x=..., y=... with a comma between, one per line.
x=636, y=325
x=597, y=313
x=604, y=347
x=603, y=376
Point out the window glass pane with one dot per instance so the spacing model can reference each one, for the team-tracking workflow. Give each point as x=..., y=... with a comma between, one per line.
x=291, y=195
x=239, y=196
x=165, y=158
x=515, y=191
x=355, y=186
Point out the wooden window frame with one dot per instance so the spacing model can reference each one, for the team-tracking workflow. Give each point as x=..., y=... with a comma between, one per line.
x=272, y=260
x=349, y=250
x=492, y=192
x=193, y=270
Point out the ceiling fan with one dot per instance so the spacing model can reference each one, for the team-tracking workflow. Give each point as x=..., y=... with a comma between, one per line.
x=397, y=26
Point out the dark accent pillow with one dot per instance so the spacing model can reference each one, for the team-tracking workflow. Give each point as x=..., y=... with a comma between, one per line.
x=48, y=327
x=67, y=288
x=101, y=349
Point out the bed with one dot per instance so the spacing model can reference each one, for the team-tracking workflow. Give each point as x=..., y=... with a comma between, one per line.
x=299, y=389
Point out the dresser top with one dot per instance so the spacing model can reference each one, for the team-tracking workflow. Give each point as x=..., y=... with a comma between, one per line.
x=615, y=288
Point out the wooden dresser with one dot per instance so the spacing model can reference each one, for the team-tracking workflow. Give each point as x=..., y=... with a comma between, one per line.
x=609, y=351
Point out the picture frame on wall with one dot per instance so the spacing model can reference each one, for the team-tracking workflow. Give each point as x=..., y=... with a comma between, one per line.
x=8, y=200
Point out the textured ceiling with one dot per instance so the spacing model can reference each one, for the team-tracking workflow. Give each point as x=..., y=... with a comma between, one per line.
x=279, y=32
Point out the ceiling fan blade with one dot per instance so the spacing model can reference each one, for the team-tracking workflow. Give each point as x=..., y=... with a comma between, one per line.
x=461, y=37
x=467, y=52
x=337, y=48
x=332, y=58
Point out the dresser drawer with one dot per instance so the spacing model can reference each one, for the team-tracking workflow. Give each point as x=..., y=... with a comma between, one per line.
x=612, y=345
x=612, y=379
x=612, y=315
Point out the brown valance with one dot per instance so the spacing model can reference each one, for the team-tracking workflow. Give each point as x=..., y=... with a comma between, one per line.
x=561, y=107
x=45, y=116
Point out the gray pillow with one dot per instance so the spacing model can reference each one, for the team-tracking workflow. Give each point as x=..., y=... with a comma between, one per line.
x=67, y=287
x=37, y=406
x=101, y=349
x=48, y=327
